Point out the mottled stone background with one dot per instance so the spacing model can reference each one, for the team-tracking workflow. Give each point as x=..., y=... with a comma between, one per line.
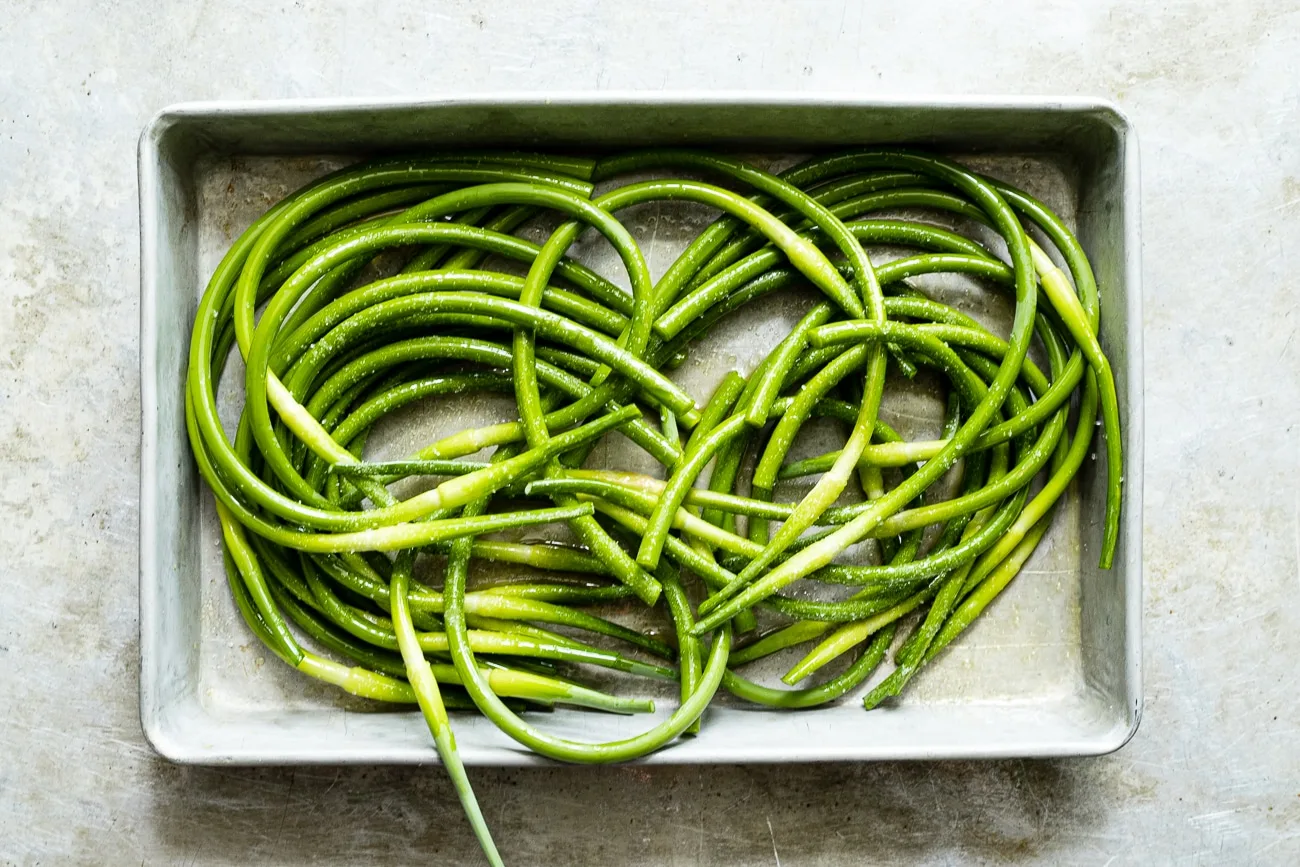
x=1213, y=777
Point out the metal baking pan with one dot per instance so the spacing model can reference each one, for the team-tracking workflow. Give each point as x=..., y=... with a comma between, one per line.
x=1052, y=669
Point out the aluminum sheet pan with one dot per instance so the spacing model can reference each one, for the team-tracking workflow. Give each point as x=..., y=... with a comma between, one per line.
x=1051, y=669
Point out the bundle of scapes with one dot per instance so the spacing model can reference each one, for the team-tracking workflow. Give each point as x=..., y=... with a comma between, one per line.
x=320, y=552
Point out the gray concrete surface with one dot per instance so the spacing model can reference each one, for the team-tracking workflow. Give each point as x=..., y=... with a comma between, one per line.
x=1213, y=777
